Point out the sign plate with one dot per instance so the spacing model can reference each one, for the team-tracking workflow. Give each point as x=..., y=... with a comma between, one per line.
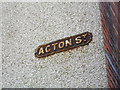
x=63, y=44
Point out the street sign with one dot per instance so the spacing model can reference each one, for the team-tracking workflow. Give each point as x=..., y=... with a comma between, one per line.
x=63, y=44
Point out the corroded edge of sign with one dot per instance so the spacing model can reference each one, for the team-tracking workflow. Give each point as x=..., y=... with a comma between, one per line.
x=76, y=41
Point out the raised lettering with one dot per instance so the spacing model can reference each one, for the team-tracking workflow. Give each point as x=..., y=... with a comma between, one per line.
x=84, y=35
x=61, y=44
x=54, y=45
x=78, y=40
x=41, y=51
x=68, y=42
x=47, y=49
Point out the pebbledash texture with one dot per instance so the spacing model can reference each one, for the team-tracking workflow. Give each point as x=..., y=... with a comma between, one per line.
x=25, y=26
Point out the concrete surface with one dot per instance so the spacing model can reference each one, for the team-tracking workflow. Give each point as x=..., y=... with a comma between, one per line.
x=28, y=25
x=0, y=46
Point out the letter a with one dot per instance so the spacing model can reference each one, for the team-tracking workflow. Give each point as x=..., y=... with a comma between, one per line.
x=41, y=51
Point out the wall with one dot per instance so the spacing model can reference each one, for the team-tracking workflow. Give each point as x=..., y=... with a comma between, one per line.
x=28, y=25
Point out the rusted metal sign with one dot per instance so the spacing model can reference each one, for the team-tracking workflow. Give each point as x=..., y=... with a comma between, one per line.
x=63, y=44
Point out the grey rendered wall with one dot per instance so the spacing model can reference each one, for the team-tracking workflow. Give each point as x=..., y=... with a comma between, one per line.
x=0, y=46
x=28, y=25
